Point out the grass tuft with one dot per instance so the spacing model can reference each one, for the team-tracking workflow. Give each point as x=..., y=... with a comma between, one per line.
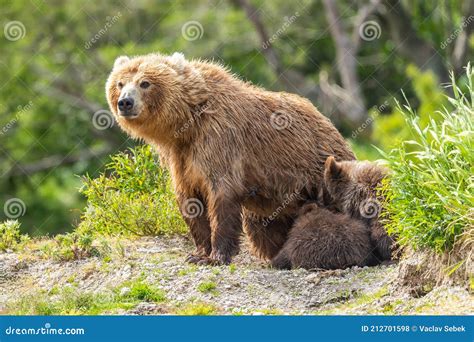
x=10, y=236
x=430, y=193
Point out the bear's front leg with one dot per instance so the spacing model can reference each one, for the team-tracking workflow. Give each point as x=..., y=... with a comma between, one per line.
x=194, y=212
x=226, y=228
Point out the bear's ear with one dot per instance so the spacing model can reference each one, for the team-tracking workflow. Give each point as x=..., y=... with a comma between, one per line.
x=120, y=61
x=178, y=60
x=332, y=169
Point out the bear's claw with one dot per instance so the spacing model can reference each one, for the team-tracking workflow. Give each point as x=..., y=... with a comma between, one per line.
x=204, y=260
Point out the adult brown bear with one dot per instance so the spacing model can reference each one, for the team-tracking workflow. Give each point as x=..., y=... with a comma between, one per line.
x=239, y=156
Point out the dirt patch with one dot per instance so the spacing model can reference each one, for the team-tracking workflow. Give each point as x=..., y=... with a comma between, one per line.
x=246, y=287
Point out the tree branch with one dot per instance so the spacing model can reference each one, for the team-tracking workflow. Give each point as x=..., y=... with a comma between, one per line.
x=346, y=51
x=291, y=80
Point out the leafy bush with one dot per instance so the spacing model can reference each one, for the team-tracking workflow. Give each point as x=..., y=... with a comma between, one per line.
x=430, y=194
x=10, y=236
x=74, y=246
x=133, y=196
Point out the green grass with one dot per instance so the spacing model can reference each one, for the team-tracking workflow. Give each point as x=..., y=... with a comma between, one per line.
x=144, y=292
x=69, y=300
x=10, y=236
x=430, y=192
x=188, y=269
x=232, y=268
x=197, y=309
x=207, y=287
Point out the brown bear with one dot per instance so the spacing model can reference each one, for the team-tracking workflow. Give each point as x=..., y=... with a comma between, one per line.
x=239, y=156
x=322, y=239
x=352, y=189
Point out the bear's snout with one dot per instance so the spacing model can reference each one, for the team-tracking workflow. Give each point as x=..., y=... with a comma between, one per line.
x=125, y=106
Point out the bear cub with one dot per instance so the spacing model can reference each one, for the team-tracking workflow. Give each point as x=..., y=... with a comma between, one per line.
x=322, y=239
x=352, y=189
x=347, y=231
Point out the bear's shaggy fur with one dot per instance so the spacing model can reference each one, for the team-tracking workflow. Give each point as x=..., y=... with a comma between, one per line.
x=352, y=187
x=322, y=239
x=249, y=156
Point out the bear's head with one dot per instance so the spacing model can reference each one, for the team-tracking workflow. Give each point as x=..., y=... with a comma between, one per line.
x=153, y=95
x=352, y=187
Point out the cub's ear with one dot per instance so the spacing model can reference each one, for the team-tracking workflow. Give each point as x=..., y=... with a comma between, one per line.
x=332, y=169
x=120, y=61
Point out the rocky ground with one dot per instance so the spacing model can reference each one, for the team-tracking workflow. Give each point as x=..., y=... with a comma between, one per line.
x=149, y=276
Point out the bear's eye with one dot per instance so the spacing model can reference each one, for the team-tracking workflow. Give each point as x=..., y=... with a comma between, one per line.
x=144, y=84
x=120, y=85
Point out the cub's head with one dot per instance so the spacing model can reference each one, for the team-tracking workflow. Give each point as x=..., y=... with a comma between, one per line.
x=153, y=94
x=352, y=187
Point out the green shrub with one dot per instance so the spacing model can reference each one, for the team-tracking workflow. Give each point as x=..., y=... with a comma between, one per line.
x=133, y=196
x=73, y=246
x=10, y=236
x=430, y=194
